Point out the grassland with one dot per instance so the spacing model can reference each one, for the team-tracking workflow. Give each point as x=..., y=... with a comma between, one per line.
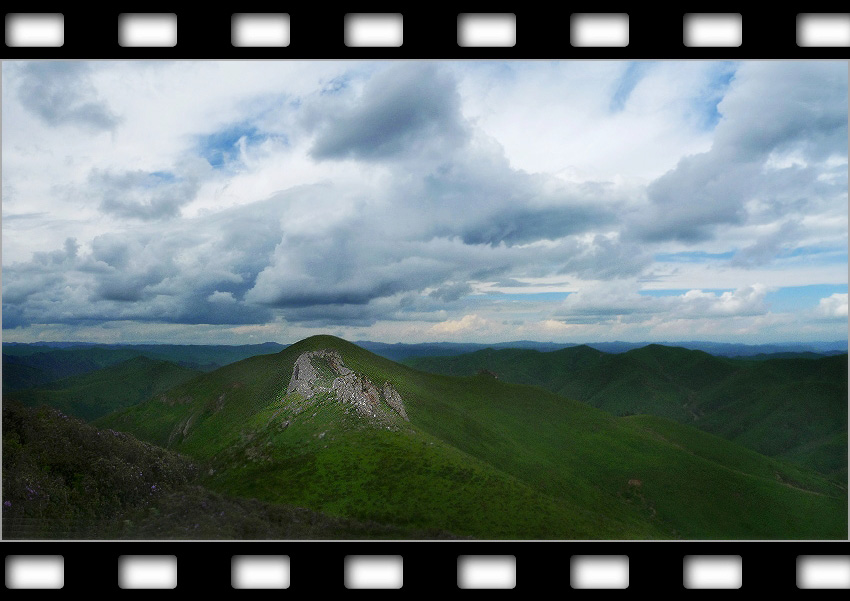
x=480, y=457
x=789, y=408
x=64, y=479
x=100, y=392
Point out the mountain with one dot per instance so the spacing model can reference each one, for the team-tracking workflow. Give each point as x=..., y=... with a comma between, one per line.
x=29, y=365
x=329, y=426
x=34, y=365
x=401, y=351
x=791, y=408
x=95, y=394
x=31, y=370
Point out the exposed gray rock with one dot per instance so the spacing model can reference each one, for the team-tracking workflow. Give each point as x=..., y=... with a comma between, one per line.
x=358, y=391
x=393, y=399
x=348, y=387
x=304, y=375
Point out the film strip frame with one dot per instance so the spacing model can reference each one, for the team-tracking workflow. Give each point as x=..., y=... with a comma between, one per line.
x=654, y=33
x=431, y=567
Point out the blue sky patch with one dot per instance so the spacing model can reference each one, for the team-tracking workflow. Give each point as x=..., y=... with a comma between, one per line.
x=694, y=256
x=821, y=254
x=532, y=296
x=796, y=298
x=705, y=105
x=627, y=83
x=220, y=147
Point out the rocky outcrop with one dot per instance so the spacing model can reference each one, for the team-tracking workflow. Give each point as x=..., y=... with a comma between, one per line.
x=306, y=378
x=358, y=391
x=393, y=399
x=317, y=372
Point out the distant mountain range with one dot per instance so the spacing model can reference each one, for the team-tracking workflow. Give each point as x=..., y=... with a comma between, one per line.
x=401, y=351
x=36, y=365
x=100, y=392
x=28, y=365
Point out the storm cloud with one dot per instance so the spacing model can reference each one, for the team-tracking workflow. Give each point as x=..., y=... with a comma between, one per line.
x=146, y=196
x=61, y=93
x=401, y=110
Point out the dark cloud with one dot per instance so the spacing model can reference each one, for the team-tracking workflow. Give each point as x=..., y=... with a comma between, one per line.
x=603, y=259
x=768, y=247
x=699, y=194
x=402, y=108
x=451, y=291
x=61, y=93
x=520, y=225
x=512, y=283
x=143, y=195
x=133, y=284
x=154, y=274
x=22, y=216
x=20, y=289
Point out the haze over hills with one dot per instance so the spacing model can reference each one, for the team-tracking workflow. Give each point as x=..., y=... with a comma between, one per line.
x=349, y=433
x=794, y=408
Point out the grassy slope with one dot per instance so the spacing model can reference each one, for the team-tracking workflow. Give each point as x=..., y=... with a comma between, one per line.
x=64, y=479
x=32, y=366
x=98, y=393
x=480, y=457
x=37, y=369
x=790, y=408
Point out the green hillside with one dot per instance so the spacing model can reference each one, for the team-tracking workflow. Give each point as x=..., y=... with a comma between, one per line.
x=100, y=392
x=35, y=365
x=790, y=408
x=40, y=368
x=478, y=457
x=64, y=479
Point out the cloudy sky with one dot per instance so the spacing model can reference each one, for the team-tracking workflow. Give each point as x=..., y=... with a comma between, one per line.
x=238, y=202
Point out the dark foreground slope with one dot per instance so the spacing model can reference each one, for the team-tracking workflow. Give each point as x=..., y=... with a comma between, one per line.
x=790, y=408
x=63, y=479
x=478, y=457
x=100, y=392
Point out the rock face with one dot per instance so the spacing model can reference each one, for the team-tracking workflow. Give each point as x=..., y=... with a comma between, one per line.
x=317, y=372
x=393, y=399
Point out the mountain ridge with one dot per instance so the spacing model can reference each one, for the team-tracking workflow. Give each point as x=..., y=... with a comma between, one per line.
x=479, y=457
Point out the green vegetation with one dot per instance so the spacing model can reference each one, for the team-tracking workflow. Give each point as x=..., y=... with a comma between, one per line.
x=34, y=365
x=789, y=408
x=480, y=457
x=63, y=479
x=98, y=393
